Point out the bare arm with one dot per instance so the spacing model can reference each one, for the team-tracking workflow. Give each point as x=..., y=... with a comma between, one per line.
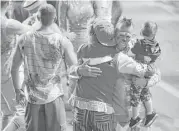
x=16, y=63
x=70, y=55
x=128, y=65
x=14, y=27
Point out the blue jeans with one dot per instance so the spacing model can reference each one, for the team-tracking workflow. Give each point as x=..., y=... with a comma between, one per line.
x=46, y=117
x=85, y=120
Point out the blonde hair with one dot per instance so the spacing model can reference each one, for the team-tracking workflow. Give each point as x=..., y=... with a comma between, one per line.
x=124, y=22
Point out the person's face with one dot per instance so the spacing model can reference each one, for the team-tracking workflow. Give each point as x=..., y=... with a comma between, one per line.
x=122, y=38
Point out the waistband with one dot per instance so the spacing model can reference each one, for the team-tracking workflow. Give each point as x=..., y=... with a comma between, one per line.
x=91, y=105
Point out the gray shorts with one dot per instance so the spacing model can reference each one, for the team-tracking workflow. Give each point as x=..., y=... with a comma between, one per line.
x=46, y=117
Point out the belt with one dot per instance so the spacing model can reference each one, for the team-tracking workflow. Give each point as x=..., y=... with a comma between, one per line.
x=91, y=105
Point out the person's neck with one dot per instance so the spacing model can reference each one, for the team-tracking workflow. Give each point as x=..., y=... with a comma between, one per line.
x=45, y=29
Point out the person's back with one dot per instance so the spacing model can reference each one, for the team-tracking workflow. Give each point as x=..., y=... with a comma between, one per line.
x=42, y=55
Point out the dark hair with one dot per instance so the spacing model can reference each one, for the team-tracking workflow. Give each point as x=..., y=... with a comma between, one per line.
x=47, y=14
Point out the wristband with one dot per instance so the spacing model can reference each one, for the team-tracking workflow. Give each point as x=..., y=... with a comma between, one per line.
x=77, y=72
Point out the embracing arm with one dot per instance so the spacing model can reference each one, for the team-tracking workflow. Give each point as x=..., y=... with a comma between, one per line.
x=14, y=27
x=128, y=65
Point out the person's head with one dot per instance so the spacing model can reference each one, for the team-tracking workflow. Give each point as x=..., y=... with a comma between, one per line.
x=33, y=5
x=46, y=14
x=123, y=33
x=149, y=30
x=103, y=31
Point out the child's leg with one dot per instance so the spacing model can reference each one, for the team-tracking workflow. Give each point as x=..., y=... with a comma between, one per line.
x=150, y=114
x=135, y=100
x=135, y=111
x=147, y=101
x=148, y=106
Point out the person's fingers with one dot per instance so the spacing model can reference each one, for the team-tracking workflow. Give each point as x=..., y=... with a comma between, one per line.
x=91, y=74
x=94, y=69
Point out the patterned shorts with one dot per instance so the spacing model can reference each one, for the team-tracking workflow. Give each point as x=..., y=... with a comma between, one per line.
x=85, y=120
x=138, y=94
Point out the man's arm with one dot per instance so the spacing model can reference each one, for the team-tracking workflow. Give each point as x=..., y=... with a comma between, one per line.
x=128, y=65
x=16, y=63
x=14, y=27
x=143, y=82
x=70, y=56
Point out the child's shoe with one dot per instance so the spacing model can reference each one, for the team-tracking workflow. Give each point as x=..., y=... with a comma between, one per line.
x=135, y=122
x=150, y=119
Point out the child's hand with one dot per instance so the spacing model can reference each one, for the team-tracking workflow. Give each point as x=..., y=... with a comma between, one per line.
x=151, y=71
x=147, y=59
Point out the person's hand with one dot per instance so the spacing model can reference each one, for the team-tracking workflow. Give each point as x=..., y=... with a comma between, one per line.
x=85, y=70
x=151, y=69
x=142, y=82
x=20, y=97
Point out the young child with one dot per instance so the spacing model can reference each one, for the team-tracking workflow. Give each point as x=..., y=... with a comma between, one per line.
x=146, y=51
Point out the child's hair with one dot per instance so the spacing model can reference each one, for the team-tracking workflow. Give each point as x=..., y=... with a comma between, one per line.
x=124, y=22
x=47, y=14
x=149, y=29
